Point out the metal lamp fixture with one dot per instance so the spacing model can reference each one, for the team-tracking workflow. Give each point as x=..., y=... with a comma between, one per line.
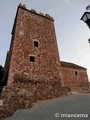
x=86, y=18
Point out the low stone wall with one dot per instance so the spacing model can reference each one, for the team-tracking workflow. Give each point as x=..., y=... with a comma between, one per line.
x=24, y=93
x=81, y=89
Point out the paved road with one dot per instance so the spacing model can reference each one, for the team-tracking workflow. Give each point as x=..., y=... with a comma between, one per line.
x=46, y=110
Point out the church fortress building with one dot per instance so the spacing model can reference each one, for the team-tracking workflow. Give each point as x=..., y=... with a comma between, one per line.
x=33, y=51
x=33, y=68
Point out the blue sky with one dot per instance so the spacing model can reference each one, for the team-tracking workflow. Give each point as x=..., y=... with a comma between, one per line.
x=72, y=34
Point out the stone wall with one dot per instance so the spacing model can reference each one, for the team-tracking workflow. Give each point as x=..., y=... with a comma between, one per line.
x=24, y=93
x=75, y=77
x=30, y=27
x=32, y=67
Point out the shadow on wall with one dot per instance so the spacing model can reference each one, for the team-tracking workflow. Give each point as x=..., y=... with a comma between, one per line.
x=1, y=78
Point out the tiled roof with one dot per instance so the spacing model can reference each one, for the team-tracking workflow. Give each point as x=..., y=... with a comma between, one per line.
x=71, y=65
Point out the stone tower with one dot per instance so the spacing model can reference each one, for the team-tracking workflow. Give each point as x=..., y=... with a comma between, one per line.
x=33, y=51
x=32, y=67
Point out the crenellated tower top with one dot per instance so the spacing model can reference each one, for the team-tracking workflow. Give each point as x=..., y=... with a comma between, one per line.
x=23, y=6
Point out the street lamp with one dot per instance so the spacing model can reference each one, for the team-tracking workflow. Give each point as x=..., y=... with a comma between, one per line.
x=86, y=18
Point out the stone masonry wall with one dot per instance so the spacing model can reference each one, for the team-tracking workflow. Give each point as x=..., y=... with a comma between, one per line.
x=24, y=93
x=76, y=79
x=31, y=80
x=31, y=27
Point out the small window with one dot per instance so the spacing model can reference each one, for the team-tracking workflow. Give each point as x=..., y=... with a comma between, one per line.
x=36, y=43
x=76, y=73
x=32, y=59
